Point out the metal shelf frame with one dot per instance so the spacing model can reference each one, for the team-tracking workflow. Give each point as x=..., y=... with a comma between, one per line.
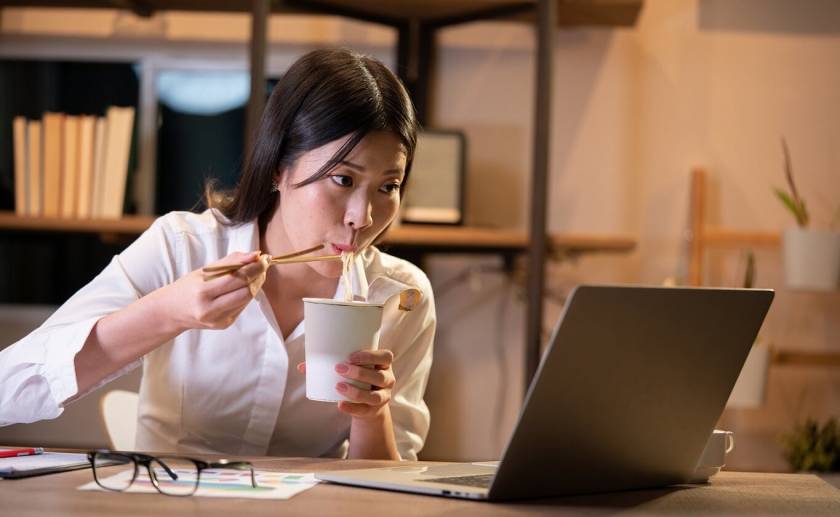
x=417, y=22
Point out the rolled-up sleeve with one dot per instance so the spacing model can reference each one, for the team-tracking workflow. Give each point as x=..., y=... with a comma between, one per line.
x=37, y=373
x=412, y=364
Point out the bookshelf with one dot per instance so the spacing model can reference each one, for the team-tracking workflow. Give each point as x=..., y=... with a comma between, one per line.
x=417, y=23
x=462, y=239
x=126, y=225
x=702, y=237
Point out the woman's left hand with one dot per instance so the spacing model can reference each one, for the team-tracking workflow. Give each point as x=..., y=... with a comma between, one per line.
x=369, y=367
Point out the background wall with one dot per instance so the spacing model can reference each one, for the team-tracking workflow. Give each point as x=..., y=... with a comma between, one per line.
x=708, y=83
x=695, y=83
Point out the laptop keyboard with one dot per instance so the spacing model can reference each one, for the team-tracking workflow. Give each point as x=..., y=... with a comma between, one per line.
x=480, y=481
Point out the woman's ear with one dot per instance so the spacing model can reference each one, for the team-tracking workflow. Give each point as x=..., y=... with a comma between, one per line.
x=277, y=182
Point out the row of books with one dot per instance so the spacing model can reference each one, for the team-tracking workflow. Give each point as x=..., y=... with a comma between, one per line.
x=72, y=166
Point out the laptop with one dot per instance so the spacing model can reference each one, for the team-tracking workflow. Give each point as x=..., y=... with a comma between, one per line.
x=626, y=396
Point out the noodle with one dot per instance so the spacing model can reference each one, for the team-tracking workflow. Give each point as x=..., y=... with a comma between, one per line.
x=347, y=259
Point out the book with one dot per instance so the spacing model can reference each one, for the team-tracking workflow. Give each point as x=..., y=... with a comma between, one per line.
x=70, y=167
x=53, y=144
x=98, y=180
x=117, y=149
x=35, y=176
x=21, y=194
x=87, y=128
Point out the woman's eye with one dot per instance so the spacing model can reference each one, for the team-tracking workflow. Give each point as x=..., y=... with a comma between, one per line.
x=343, y=180
x=389, y=188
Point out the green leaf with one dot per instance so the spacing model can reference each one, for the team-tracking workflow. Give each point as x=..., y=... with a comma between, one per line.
x=749, y=273
x=803, y=219
x=813, y=447
x=797, y=209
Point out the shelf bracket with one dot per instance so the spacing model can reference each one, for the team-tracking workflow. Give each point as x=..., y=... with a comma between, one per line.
x=256, y=99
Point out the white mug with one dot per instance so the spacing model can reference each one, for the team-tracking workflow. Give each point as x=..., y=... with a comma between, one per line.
x=334, y=329
x=720, y=443
x=713, y=457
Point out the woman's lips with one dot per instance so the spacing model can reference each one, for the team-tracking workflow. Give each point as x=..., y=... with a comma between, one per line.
x=344, y=248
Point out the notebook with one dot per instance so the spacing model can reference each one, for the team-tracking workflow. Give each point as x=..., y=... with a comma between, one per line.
x=40, y=464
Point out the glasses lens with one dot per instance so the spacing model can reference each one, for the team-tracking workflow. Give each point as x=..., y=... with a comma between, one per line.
x=175, y=476
x=113, y=471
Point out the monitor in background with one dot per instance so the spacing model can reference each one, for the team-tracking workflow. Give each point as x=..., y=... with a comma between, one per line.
x=435, y=191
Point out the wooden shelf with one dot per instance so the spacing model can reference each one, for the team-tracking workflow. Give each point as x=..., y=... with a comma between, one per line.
x=128, y=224
x=449, y=238
x=704, y=236
x=442, y=12
x=803, y=358
x=723, y=238
x=454, y=237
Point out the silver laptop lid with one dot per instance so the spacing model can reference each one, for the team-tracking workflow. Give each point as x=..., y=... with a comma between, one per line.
x=631, y=385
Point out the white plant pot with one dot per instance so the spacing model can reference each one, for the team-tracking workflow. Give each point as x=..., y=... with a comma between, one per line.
x=750, y=387
x=812, y=259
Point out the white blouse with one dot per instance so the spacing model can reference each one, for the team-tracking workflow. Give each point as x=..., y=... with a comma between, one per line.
x=231, y=391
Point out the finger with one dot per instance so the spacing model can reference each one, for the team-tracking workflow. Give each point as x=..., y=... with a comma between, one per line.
x=252, y=274
x=301, y=367
x=237, y=257
x=379, y=358
x=256, y=274
x=379, y=378
x=226, y=317
x=233, y=315
x=233, y=301
x=360, y=396
x=357, y=410
x=219, y=284
x=254, y=269
x=229, y=264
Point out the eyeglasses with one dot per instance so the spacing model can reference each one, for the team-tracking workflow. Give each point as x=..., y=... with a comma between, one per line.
x=170, y=475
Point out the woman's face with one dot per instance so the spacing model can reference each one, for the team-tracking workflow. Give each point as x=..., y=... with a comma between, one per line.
x=347, y=208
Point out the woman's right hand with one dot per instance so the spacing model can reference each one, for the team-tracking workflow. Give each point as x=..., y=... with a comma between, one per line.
x=196, y=303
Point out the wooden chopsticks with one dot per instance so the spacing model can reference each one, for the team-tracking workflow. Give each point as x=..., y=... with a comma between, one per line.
x=292, y=258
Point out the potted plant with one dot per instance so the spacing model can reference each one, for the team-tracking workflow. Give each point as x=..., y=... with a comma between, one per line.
x=813, y=447
x=811, y=255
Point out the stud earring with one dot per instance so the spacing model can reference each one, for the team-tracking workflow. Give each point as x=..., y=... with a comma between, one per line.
x=275, y=187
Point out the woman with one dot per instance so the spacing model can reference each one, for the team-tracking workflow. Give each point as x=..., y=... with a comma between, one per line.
x=223, y=369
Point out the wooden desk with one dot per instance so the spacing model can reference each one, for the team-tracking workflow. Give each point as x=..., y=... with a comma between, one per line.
x=730, y=492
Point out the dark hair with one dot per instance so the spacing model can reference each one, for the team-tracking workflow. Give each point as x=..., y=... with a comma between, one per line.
x=325, y=95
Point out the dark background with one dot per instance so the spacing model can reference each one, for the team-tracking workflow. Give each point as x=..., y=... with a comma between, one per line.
x=48, y=267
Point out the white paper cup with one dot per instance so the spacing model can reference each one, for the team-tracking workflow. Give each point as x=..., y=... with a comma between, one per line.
x=334, y=329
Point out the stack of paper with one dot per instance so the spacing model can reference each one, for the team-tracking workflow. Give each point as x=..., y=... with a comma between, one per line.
x=223, y=483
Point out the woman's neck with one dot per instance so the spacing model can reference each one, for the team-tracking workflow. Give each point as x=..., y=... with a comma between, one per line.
x=291, y=281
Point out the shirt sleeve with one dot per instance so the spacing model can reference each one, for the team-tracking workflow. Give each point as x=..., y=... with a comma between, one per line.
x=412, y=365
x=37, y=373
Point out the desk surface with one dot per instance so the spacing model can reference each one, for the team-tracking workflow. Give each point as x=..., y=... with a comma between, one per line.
x=729, y=492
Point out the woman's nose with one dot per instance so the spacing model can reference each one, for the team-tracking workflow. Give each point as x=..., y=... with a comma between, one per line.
x=359, y=212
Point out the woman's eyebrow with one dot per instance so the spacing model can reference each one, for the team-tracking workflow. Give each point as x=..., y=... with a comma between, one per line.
x=361, y=168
